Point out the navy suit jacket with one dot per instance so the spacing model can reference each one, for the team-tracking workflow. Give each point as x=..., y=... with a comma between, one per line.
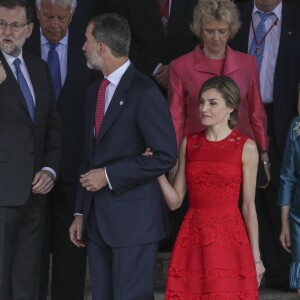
x=284, y=102
x=26, y=146
x=150, y=45
x=137, y=117
x=70, y=103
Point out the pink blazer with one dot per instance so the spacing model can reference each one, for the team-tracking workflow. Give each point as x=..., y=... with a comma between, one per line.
x=190, y=71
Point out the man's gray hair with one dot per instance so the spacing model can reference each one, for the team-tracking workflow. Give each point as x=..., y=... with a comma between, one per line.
x=71, y=3
x=113, y=30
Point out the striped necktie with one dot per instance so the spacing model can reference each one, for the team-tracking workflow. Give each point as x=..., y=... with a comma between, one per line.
x=54, y=66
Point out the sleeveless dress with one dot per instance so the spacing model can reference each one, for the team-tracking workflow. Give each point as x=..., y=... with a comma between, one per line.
x=212, y=257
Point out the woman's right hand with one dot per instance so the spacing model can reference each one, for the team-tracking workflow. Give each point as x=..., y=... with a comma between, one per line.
x=260, y=271
x=285, y=237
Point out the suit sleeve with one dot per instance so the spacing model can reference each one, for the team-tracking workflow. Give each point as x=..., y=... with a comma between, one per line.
x=257, y=114
x=176, y=101
x=154, y=121
x=288, y=174
x=53, y=137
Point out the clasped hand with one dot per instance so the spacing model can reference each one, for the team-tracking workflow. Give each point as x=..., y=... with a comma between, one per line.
x=43, y=182
x=93, y=180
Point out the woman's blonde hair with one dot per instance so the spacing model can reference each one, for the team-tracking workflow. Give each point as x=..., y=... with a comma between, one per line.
x=211, y=10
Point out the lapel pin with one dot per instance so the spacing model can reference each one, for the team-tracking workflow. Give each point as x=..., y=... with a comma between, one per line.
x=289, y=33
x=121, y=102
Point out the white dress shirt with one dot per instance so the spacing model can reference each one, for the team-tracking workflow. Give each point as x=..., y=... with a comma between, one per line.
x=270, y=51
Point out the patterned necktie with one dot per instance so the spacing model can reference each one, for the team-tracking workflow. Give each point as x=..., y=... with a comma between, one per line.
x=54, y=66
x=258, y=42
x=100, y=106
x=24, y=88
x=164, y=13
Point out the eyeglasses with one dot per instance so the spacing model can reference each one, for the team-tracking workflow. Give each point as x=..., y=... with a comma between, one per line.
x=15, y=27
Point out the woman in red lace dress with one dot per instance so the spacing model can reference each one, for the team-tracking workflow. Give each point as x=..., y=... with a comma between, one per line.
x=216, y=255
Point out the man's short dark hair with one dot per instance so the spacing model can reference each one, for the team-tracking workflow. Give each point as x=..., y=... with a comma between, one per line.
x=23, y=3
x=113, y=30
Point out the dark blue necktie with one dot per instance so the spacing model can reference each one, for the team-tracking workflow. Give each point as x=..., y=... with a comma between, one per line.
x=54, y=66
x=258, y=42
x=25, y=88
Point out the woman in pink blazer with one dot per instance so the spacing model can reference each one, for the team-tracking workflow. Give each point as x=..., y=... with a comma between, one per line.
x=214, y=23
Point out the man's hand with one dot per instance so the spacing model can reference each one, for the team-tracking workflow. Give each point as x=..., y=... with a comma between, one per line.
x=264, y=156
x=162, y=76
x=43, y=182
x=2, y=73
x=75, y=231
x=94, y=180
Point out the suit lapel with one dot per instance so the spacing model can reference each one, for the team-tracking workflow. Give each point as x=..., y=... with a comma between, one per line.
x=34, y=77
x=286, y=36
x=202, y=64
x=231, y=63
x=13, y=84
x=178, y=8
x=118, y=102
x=152, y=10
x=246, y=16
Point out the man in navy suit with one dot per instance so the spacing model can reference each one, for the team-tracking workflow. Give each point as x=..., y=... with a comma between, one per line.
x=29, y=154
x=152, y=48
x=280, y=105
x=56, y=26
x=119, y=196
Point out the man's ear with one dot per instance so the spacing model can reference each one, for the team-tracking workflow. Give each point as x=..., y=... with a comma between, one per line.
x=29, y=29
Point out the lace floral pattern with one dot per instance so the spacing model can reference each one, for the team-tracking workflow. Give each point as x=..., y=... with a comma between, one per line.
x=212, y=253
x=218, y=229
x=212, y=274
x=241, y=295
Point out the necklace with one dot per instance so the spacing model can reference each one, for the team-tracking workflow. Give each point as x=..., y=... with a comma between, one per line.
x=258, y=44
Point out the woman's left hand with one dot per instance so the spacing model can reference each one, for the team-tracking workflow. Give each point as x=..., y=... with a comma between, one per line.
x=260, y=271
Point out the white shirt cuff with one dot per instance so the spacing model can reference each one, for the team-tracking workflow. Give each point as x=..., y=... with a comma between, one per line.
x=107, y=179
x=50, y=170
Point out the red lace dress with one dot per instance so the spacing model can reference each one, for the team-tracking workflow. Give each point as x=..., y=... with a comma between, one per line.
x=212, y=257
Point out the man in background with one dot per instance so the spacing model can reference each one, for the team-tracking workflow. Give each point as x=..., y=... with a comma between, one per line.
x=268, y=33
x=59, y=42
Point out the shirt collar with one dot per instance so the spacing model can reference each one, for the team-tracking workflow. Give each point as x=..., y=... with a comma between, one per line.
x=116, y=76
x=277, y=11
x=10, y=59
x=63, y=41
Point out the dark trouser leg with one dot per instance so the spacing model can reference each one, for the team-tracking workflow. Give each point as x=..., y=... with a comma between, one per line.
x=119, y=273
x=275, y=258
x=21, y=247
x=68, y=262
